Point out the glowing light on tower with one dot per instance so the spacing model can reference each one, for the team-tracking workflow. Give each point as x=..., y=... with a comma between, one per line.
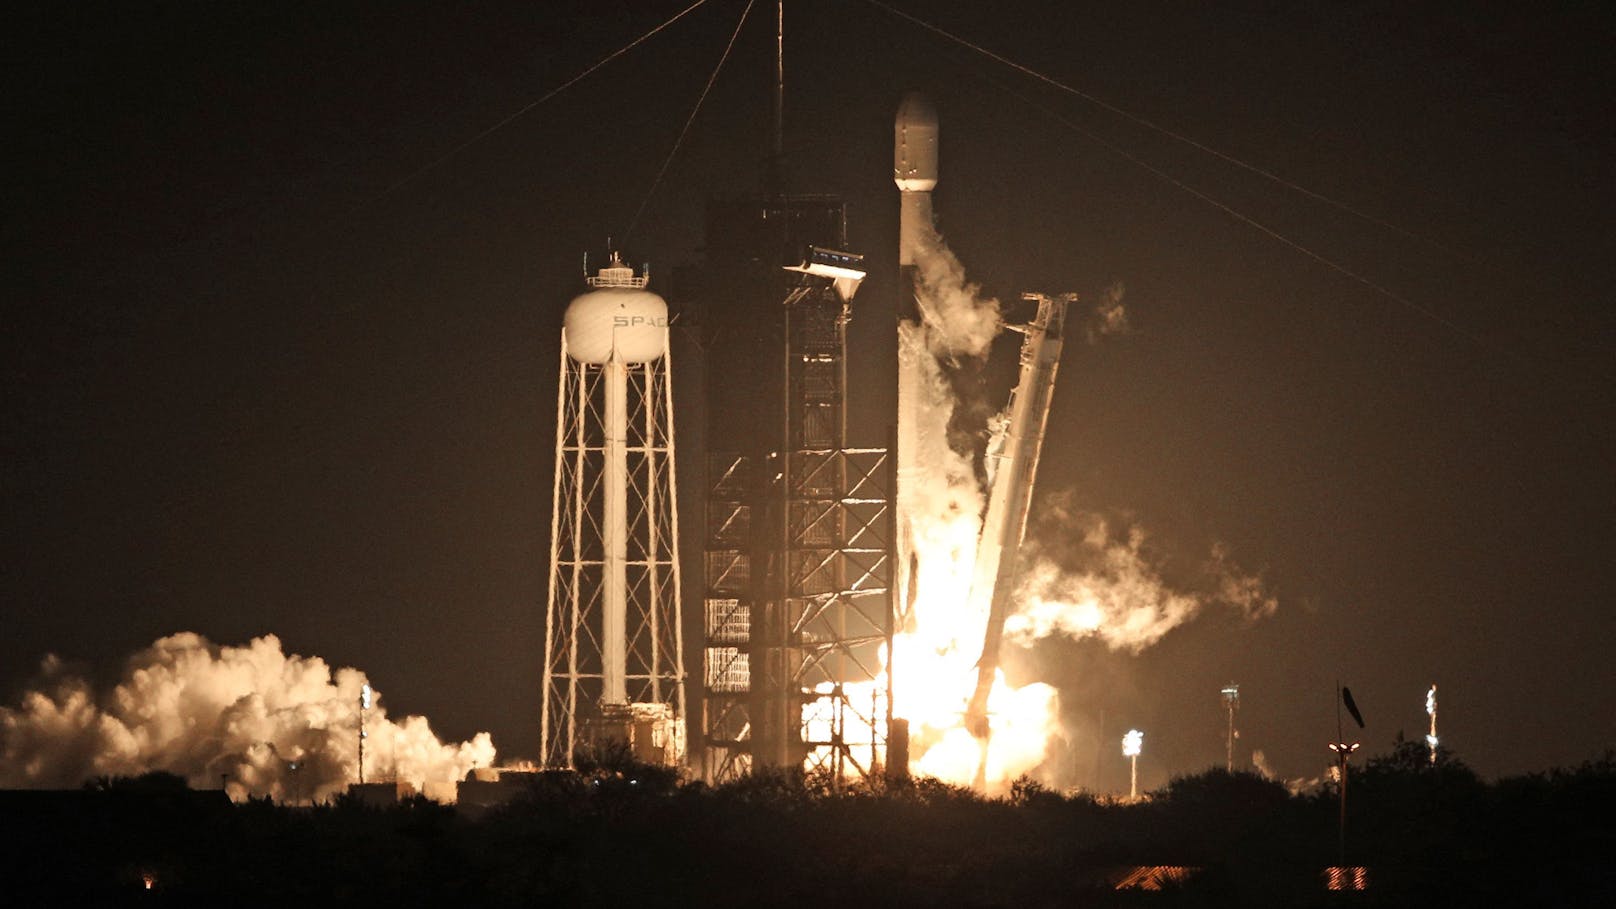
x=1231, y=701
x=1430, y=708
x=1343, y=750
x=1132, y=744
x=614, y=648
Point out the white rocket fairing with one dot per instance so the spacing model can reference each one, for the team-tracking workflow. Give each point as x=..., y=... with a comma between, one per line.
x=914, y=169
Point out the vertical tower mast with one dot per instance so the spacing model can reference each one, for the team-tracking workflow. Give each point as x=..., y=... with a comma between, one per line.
x=797, y=551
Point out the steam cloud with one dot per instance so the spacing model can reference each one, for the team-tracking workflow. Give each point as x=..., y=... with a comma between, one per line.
x=959, y=321
x=1108, y=317
x=275, y=724
x=1120, y=596
x=1098, y=586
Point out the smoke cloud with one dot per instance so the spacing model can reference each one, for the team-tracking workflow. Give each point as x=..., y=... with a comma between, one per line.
x=1119, y=595
x=959, y=321
x=273, y=724
x=1259, y=763
x=1108, y=317
x=1095, y=585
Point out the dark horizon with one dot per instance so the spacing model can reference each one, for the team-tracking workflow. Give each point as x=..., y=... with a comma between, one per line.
x=256, y=384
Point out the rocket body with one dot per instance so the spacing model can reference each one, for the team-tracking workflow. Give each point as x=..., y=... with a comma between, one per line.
x=914, y=169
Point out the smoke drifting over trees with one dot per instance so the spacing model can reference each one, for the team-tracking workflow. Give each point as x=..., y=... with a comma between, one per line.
x=269, y=722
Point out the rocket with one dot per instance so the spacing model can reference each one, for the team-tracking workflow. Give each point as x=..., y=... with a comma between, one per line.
x=914, y=169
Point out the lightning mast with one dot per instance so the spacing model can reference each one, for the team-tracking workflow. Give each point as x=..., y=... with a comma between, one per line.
x=797, y=552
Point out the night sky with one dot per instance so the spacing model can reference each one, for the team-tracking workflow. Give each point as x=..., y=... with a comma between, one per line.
x=262, y=374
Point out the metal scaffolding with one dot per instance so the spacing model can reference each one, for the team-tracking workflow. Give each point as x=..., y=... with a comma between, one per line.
x=798, y=603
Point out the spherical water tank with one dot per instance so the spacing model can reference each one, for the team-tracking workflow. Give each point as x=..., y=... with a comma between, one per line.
x=633, y=321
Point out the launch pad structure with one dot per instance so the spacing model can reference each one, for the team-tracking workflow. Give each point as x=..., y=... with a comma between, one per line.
x=797, y=558
x=803, y=559
x=806, y=564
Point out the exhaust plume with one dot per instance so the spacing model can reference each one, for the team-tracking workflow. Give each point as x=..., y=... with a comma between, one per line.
x=273, y=724
x=1115, y=591
x=958, y=320
x=1119, y=595
x=1108, y=316
x=1259, y=763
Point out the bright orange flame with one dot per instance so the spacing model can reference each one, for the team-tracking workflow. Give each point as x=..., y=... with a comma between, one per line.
x=936, y=670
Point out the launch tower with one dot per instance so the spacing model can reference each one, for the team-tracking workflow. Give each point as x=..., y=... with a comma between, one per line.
x=798, y=534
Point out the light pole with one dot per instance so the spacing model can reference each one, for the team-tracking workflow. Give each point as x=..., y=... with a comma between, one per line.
x=1430, y=708
x=1231, y=701
x=1131, y=745
x=1343, y=750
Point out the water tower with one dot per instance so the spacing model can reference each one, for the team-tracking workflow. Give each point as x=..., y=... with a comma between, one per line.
x=614, y=663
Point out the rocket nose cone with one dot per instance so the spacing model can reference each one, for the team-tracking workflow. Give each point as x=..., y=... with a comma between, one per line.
x=914, y=144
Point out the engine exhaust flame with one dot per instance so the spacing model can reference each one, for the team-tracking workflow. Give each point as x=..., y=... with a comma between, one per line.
x=1120, y=596
x=271, y=723
x=1133, y=743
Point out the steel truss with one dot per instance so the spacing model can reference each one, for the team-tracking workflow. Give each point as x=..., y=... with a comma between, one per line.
x=576, y=636
x=799, y=570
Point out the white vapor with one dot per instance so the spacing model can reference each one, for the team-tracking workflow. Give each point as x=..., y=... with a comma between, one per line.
x=1259, y=763
x=959, y=321
x=1120, y=596
x=1108, y=316
x=200, y=710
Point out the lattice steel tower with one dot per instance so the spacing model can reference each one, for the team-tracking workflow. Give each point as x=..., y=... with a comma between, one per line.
x=799, y=531
x=614, y=673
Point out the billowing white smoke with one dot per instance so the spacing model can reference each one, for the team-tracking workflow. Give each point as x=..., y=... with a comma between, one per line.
x=1259, y=763
x=958, y=320
x=1108, y=316
x=944, y=500
x=1119, y=596
x=272, y=724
